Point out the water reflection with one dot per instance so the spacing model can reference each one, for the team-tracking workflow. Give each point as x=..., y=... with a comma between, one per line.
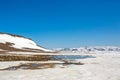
x=70, y=57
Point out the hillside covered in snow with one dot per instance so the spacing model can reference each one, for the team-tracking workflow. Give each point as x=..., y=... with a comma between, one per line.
x=17, y=43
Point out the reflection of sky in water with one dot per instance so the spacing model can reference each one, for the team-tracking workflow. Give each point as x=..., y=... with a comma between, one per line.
x=71, y=57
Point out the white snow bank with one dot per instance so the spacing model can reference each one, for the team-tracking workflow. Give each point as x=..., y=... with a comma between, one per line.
x=103, y=67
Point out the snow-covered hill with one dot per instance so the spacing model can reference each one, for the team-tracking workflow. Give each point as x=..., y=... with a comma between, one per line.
x=95, y=49
x=11, y=42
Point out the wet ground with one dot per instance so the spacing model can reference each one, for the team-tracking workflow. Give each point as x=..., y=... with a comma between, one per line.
x=33, y=66
x=41, y=57
x=64, y=59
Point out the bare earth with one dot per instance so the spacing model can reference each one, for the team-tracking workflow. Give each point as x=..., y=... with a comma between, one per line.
x=103, y=67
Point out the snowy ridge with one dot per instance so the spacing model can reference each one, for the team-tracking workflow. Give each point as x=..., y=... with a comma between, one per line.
x=19, y=42
x=95, y=49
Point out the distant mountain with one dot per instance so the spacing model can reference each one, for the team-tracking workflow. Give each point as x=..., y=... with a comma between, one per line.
x=17, y=43
x=95, y=49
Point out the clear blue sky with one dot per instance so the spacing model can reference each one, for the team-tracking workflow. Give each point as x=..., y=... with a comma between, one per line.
x=63, y=23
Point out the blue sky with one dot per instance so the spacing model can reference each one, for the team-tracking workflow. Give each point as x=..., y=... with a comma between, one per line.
x=63, y=23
